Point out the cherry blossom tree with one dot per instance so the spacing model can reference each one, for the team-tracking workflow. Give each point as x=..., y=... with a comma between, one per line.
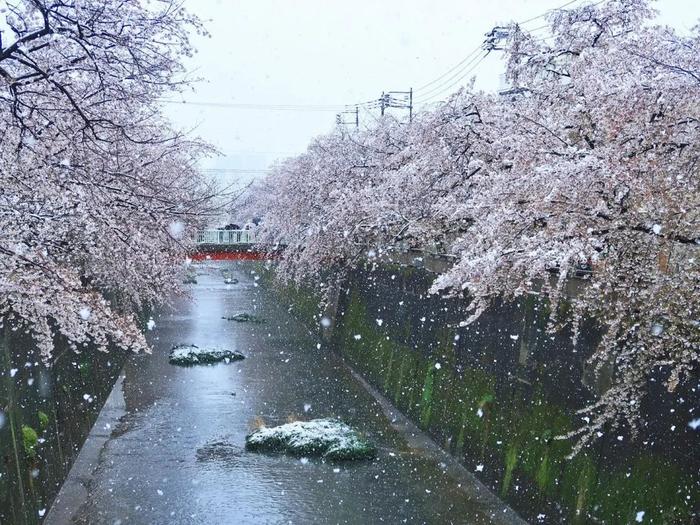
x=99, y=194
x=590, y=161
x=602, y=173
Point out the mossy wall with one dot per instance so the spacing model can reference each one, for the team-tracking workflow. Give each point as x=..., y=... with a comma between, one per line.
x=45, y=416
x=497, y=393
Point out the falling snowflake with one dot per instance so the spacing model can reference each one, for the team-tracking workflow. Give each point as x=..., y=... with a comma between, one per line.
x=176, y=229
x=84, y=313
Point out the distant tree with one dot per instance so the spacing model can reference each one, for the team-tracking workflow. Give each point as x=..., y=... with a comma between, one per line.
x=98, y=193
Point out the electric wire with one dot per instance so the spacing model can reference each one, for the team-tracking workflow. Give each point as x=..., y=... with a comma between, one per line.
x=447, y=80
x=455, y=83
x=475, y=50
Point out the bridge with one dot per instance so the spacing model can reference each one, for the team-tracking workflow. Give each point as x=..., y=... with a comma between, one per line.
x=226, y=237
x=220, y=244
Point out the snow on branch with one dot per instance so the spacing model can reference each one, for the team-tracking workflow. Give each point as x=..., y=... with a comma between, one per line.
x=92, y=177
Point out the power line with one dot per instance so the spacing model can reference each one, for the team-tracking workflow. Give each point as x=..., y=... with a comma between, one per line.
x=276, y=107
x=446, y=81
x=459, y=75
x=466, y=59
x=466, y=62
x=272, y=107
x=248, y=152
x=234, y=170
x=458, y=81
x=475, y=50
x=567, y=4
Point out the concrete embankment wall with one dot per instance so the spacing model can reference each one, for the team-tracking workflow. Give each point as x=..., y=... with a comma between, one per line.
x=45, y=415
x=496, y=394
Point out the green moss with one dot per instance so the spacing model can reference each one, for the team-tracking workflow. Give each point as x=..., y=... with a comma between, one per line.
x=84, y=368
x=543, y=476
x=305, y=302
x=398, y=388
x=30, y=440
x=543, y=457
x=389, y=366
x=43, y=420
x=461, y=432
x=578, y=484
x=426, y=403
x=476, y=390
x=511, y=461
x=650, y=484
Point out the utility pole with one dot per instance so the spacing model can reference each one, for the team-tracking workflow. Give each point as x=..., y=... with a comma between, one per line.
x=398, y=99
x=340, y=121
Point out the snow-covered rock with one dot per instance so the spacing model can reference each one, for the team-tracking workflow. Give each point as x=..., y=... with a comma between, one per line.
x=244, y=318
x=190, y=278
x=185, y=355
x=327, y=438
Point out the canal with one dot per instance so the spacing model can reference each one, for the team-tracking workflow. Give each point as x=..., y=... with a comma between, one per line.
x=173, y=452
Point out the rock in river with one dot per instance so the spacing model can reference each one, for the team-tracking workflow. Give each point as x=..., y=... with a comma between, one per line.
x=185, y=355
x=326, y=438
x=244, y=318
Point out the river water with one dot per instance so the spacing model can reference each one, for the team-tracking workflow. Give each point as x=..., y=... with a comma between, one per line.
x=177, y=455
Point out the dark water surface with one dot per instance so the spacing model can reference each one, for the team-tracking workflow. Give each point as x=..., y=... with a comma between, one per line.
x=177, y=455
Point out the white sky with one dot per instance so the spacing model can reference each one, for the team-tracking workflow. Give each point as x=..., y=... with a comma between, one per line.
x=330, y=52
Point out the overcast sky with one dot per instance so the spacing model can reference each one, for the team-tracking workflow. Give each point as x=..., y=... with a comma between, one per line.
x=330, y=52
